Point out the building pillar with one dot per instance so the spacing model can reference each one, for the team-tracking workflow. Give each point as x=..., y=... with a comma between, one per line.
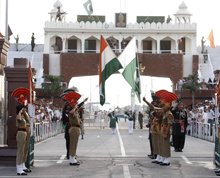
x=158, y=44
x=119, y=41
x=177, y=44
x=83, y=43
x=64, y=44
x=139, y=43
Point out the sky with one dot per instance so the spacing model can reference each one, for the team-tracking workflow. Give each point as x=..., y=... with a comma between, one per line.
x=28, y=16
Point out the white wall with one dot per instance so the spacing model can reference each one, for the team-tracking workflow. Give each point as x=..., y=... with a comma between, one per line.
x=78, y=45
x=97, y=46
x=188, y=45
x=54, y=64
x=187, y=65
x=154, y=44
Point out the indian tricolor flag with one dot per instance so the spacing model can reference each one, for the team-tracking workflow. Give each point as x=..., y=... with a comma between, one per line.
x=108, y=65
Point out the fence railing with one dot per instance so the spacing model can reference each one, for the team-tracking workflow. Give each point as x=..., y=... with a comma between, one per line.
x=205, y=131
x=45, y=130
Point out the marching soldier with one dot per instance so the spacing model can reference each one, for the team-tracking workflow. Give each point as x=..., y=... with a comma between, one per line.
x=66, y=123
x=75, y=122
x=26, y=147
x=113, y=120
x=140, y=119
x=165, y=134
x=156, y=130
x=179, y=127
x=167, y=119
x=130, y=121
x=24, y=130
x=82, y=115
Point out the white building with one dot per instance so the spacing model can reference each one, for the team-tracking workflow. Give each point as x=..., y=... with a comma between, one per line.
x=84, y=37
x=151, y=37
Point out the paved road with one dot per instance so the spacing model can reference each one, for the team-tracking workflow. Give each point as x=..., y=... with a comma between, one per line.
x=103, y=155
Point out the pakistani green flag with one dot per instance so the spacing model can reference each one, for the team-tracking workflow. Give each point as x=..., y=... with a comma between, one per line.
x=88, y=7
x=130, y=71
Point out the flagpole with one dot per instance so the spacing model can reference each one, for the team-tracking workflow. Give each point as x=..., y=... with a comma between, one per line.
x=6, y=21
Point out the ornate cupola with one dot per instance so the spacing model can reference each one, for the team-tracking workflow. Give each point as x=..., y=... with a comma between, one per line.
x=57, y=13
x=183, y=14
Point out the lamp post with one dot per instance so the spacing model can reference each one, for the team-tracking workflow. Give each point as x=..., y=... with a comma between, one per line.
x=6, y=20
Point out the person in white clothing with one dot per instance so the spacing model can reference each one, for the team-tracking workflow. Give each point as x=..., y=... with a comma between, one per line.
x=130, y=121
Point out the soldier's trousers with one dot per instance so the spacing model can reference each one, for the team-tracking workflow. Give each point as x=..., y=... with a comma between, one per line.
x=26, y=146
x=20, y=138
x=178, y=141
x=74, y=133
x=165, y=146
x=67, y=137
x=151, y=145
x=155, y=143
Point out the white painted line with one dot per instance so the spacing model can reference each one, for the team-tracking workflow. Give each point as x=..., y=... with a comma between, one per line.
x=124, y=164
x=205, y=141
x=126, y=171
x=140, y=136
x=98, y=136
x=47, y=160
x=121, y=142
x=61, y=159
x=186, y=160
x=64, y=176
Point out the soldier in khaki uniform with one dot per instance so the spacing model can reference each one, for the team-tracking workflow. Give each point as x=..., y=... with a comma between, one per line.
x=165, y=135
x=156, y=126
x=26, y=147
x=75, y=121
x=167, y=119
x=24, y=130
x=20, y=138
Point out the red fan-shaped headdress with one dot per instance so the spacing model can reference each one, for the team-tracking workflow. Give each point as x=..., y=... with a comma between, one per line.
x=21, y=94
x=72, y=97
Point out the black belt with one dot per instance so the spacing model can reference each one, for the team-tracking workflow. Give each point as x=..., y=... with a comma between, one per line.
x=24, y=129
x=75, y=126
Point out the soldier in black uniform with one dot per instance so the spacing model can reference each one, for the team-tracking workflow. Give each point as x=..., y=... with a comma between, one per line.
x=65, y=118
x=179, y=126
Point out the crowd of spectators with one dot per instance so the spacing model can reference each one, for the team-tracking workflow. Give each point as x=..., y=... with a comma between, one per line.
x=209, y=85
x=204, y=112
x=46, y=112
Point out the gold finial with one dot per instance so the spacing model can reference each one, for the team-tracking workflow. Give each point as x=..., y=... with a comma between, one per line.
x=142, y=68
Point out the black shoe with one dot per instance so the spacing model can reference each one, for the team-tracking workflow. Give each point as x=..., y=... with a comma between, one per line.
x=158, y=162
x=217, y=174
x=149, y=155
x=75, y=164
x=180, y=150
x=154, y=161
x=22, y=174
x=152, y=157
x=217, y=171
x=26, y=170
x=164, y=164
x=176, y=150
x=82, y=137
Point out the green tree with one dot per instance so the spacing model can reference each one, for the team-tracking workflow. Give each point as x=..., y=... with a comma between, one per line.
x=53, y=85
x=193, y=85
